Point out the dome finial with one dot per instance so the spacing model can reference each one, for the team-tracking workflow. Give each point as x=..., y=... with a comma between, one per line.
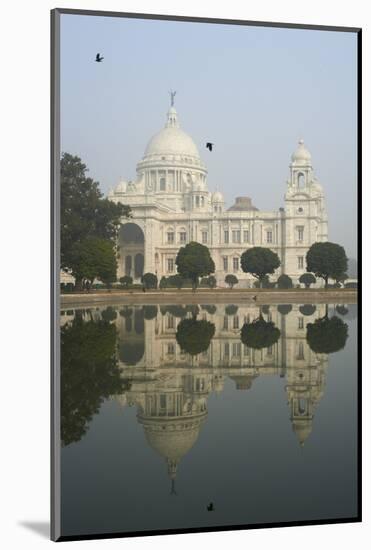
x=172, y=95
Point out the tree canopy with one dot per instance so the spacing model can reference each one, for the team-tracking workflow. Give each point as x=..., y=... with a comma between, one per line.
x=93, y=258
x=194, y=336
x=85, y=214
x=284, y=309
x=284, y=281
x=327, y=335
x=149, y=280
x=194, y=261
x=327, y=260
x=259, y=262
x=307, y=279
x=231, y=280
x=260, y=334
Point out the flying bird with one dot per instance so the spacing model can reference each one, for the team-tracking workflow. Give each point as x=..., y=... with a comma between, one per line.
x=98, y=58
x=210, y=507
x=209, y=146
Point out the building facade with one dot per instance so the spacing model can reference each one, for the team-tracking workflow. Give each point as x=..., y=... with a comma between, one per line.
x=172, y=205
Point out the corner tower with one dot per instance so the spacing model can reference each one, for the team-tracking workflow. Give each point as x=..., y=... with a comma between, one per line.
x=305, y=212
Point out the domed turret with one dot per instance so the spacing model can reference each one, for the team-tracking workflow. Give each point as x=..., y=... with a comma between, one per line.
x=121, y=187
x=217, y=197
x=301, y=155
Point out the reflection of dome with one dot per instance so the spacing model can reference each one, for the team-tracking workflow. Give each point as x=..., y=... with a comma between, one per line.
x=217, y=197
x=243, y=381
x=172, y=438
x=301, y=155
x=171, y=140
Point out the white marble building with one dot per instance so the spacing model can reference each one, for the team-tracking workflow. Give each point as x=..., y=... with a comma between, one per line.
x=172, y=205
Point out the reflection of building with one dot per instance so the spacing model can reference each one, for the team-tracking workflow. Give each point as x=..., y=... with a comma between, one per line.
x=172, y=205
x=170, y=388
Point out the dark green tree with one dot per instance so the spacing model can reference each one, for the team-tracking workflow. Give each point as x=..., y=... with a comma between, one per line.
x=327, y=335
x=126, y=312
x=175, y=281
x=307, y=279
x=211, y=281
x=231, y=280
x=163, y=283
x=341, y=309
x=149, y=280
x=93, y=258
x=259, y=334
x=284, y=281
x=194, y=261
x=126, y=281
x=89, y=374
x=259, y=262
x=194, y=336
x=327, y=260
x=85, y=214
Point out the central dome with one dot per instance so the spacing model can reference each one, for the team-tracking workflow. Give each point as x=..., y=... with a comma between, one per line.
x=171, y=140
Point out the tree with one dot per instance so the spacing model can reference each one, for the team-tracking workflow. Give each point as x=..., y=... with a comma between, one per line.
x=194, y=336
x=327, y=260
x=85, y=214
x=126, y=281
x=211, y=281
x=327, y=335
x=194, y=261
x=307, y=279
x=163, y=283
x=210, y=308
x=284, y=281
x=259, y=262
x=259, y=334
x=93, y=258
x=341, y=309
x=89, y=374
x=149, y=280
x=175, y=281
x=231, y=280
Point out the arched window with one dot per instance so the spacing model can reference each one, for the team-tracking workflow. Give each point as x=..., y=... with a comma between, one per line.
x=302, y=406
x=301, y=179
x=162, y=184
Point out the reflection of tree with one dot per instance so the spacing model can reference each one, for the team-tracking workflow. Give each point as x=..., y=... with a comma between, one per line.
x=341, y=309
x=175, y=310
x=210, y=308
x=327, y=335
x=307, y=309
x=109, y=314
x=126, y=312
x=194, y=336
x=231, y=309
x=131, y=351
x=259, y=334
x=150, y=312
x=89, y=374
x=284, y=309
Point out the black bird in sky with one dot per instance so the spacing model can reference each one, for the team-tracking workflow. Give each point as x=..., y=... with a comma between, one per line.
x=210, y=507
x=99, y=58
x=209, y=146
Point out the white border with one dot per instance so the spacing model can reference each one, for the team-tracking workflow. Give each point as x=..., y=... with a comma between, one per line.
x=24, y=287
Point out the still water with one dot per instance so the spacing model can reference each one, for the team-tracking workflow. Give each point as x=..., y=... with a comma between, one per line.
x=177, y=417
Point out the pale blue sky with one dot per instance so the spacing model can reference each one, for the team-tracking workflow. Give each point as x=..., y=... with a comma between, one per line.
x=253, y=91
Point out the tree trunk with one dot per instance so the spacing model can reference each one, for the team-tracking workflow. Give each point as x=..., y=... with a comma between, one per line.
x=78, y=284
x=326, y=281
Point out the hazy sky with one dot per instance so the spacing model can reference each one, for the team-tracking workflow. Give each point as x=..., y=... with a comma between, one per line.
x=252, y=91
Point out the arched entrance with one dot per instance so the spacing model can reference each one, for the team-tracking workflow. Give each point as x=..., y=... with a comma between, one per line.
x=131, y=243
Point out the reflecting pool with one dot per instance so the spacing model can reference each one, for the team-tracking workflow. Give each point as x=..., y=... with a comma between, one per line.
x=184, y=416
